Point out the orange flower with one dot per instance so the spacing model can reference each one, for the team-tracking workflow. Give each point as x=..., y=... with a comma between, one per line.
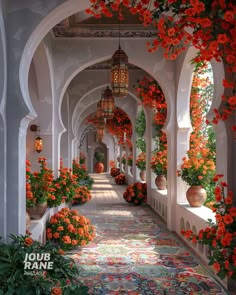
x=232, y=212
x=56, y=235
x=216, y=266
x=66, y=240
x=56, y=291
x=28, y=241
x=228, y=219
x=60, y=251
x=74, y=242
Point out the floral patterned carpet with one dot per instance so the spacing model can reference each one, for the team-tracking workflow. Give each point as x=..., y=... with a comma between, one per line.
x=133, y=252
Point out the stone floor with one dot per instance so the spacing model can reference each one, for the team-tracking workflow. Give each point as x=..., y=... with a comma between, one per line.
x=133, y=252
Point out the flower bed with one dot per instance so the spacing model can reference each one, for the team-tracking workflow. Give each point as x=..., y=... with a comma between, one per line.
x=136, y=193
x=82, y=195
x=120, y=179
x=114, y=172
x=68, y=229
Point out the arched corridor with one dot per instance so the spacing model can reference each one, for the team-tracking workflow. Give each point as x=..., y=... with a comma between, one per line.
x=121, y=84
x=133, y=252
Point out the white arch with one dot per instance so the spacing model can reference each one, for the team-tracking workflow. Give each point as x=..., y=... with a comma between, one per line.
x=54, y=17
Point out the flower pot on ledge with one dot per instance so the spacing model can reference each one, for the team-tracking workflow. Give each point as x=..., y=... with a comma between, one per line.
x=196, y=196
x=160, y=182
x=142, y=175
x=37, y=211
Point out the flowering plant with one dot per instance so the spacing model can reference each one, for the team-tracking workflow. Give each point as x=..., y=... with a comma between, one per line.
x=120, y=179
x=69, y=229
x=220, y=237
x=197, y=169
x=62, y=278
x=130, y=160
x=141, y=161
x=114, y=172
x=38, y=184
x=82, y=195
x=159, y=162
x=112, y=164
x=65, y=184
x=136, y=193
x=81, y=172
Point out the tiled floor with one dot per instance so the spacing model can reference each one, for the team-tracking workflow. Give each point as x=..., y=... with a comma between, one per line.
x=133, y=252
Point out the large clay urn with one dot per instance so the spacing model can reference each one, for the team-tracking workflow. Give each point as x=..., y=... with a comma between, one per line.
x=160, y=182
x=142, y=175
x=99, y=167
x=37, y=211
x=196, y=196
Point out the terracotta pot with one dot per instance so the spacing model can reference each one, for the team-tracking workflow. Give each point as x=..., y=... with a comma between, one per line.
x=99, y=167
x=160, y=182
x=142, y=175
x=196, y=196
x=38, y=211
x=27, y=220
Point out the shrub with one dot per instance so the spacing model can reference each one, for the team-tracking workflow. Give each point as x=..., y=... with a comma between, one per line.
x=136, y=193
x=68, y=229
x=82, y=195
x=120, y=179
x=114, y=172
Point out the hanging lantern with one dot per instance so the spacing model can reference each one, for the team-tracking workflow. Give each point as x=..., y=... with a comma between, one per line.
x=38, y=144
x=119, y=73
x=100, y=134
x=108, y=104
x=100, y=123
x=38, y=141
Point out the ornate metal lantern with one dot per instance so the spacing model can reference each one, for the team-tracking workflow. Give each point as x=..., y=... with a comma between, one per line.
x=38, y=141
x=100, y=123
x=119, y=73
x=38, y=144
x=100, y=134
x=108, y=104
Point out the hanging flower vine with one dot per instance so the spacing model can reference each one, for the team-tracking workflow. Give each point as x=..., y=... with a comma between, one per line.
x=208, y=25
x=119, y=125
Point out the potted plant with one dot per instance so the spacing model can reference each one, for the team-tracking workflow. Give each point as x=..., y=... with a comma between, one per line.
x=159, y=167
x=219, y=236
x=38, y=188
x=141, y=164
x=81, y=172
x=197, y=170
x=68, y=229
x=99, y=166
x=65, y=185
x=136, y=193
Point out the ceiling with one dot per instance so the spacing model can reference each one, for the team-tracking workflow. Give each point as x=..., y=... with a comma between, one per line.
x=82, y=25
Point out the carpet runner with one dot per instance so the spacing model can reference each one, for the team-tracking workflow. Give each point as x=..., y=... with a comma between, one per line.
x=134, y=253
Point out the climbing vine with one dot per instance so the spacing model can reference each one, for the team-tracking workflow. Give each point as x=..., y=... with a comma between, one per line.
x=208, y=25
